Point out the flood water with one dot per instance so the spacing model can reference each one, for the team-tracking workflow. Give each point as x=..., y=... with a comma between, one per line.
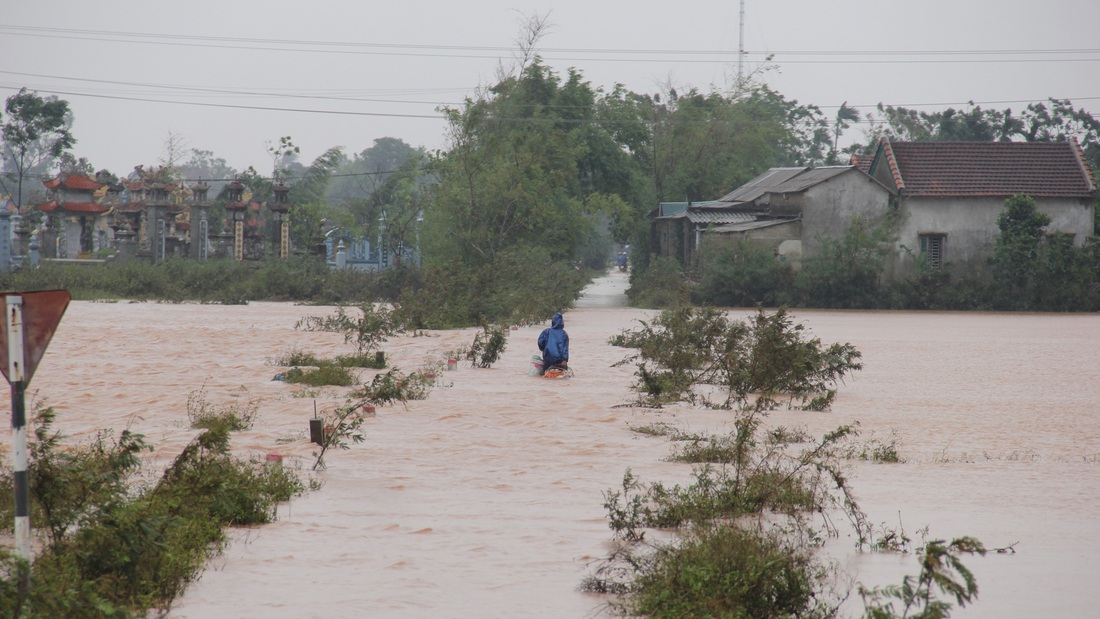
x=485, y=500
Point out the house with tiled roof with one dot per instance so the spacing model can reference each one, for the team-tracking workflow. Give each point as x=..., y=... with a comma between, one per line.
x=950, y=194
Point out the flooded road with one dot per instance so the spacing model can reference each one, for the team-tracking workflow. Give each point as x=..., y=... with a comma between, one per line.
x=485, y=500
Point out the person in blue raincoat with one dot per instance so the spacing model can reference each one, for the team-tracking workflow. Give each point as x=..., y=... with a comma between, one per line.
x=554, y=344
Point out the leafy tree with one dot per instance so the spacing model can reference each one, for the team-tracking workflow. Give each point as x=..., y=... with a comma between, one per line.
x=846, y=272
x=950, y=125
x=707, y=144
x=35, y=133
x=743, y=276
x=203, y=165
x=284, y=154
x=312, y=182
x=844, y=116
x=358, y=178
x=510, y=177
x=1016, y=251
x=400, y=206
x=1056, y=121
x=70, y=164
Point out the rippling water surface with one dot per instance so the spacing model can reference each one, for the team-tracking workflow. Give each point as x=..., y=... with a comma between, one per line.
x=485, y=500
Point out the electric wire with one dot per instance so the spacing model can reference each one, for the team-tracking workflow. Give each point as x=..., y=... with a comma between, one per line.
x=445, y=51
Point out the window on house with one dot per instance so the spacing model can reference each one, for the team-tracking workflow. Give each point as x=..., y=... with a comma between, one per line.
x=931, y=249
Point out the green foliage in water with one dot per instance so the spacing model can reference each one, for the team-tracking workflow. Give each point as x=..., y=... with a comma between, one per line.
x=942, y=573
x=744, y=545
x=521, y=285
x=240, y=414
x=769, y=357
x=118, y=546
x=370, y=329
x=488, y=345
x=723, y=571
x=726, y=561
x=325, y=374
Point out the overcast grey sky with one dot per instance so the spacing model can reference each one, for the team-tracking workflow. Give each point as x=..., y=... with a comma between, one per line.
x=229, y=76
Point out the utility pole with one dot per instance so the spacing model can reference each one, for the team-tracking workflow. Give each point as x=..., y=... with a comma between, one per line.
x=741, y=46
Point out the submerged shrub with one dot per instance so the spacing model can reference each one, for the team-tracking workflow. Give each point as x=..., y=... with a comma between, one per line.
x=769, y=356
x=727, y=571
x=488, y=345
x=326, y=374
x=119, y=547
x=237, y=415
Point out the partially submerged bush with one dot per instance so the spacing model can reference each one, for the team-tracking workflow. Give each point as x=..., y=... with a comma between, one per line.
x=942, y=570
x=240, y=414
x=658, y=286
x=320, y=376
x=373, y=327
x=345, y=422
x=118, y=547
x=488, y=345
x=724, y=571
x=745, y=544
x=768, y=357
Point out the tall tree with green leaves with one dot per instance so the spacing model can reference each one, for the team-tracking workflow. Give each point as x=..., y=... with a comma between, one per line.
x=844, y=117
x=35, y=132
x=310, y=213
x=1057, y=120
x=706, y=144
x=1015, y=258
x=510, y=176
x=363, y=174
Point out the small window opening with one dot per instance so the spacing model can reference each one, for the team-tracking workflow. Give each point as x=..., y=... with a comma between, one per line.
x=931, y=248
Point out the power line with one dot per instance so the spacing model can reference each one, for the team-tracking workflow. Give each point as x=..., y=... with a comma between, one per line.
x=241, y=107
x=594, y=121
x=473, y=51
x=205, y=90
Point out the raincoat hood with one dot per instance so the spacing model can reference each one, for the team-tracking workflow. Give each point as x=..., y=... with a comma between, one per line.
x=557, y=322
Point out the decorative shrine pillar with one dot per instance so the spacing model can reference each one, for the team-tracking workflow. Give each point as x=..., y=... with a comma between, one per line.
x=235, y=209
x=200, y=222
x=280, y=210
x=157, y=218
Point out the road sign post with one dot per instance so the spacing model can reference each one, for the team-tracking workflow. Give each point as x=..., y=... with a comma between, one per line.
x=30, y=321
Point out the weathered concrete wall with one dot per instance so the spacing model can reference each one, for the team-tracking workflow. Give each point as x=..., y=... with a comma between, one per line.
x=831, y=205
x=970, y=229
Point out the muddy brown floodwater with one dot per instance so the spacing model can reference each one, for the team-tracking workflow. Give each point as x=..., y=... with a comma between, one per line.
x=485, y=500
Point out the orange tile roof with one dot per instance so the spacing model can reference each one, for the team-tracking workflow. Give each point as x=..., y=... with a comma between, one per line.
x=995, y=169
x=863, y=161
x=74, y=181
